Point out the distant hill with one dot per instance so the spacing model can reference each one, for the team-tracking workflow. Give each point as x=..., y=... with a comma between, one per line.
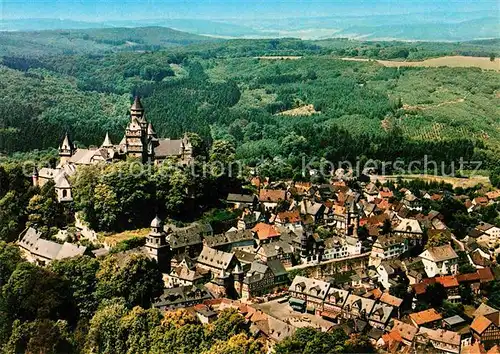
x=439, y=26
x=94, y=41
x=488, y=27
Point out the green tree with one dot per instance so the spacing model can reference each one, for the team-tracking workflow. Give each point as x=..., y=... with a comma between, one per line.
x=439, y=239
x=134, y=276
x=10, y=257
x=80, y=273
x=40, y=336
x=435, y=294
x=495, y=177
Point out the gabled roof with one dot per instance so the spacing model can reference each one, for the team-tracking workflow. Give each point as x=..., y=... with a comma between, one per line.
x=408, y=225
x=439, y=254
x=484, y=310
x=272, y=195
x=440, y=335
x=215, y=258
x=309, y=286
x=390, y=300
x=168, y=147
x=265, y=231
x=480, y=324
x=426, y=316
x=406, y=331
x=240, y=198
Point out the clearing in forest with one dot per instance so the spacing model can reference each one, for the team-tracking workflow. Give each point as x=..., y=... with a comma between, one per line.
x=307, y=110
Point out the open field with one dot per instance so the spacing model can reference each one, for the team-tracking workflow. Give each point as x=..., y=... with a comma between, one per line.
x=112, y=239
x=454, y=181
x=457, y=61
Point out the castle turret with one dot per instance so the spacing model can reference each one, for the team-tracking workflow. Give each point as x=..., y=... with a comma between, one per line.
x=239, y=276
x=66, y=150
x=157, y=246
x=107, y=142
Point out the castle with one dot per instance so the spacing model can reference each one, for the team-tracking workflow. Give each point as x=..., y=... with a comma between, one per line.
x=140, y=141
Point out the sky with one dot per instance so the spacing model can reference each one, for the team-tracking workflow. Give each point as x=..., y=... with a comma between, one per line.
x=103, y=10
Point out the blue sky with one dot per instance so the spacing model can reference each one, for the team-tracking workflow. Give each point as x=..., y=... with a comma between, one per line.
x=101, y=10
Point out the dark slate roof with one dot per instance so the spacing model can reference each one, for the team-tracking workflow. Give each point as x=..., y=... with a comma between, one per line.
x=240, y=198
x=277, y=267
x=176, y=297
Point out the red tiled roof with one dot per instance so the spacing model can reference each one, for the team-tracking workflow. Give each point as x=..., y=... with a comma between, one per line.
x=485, y=275
x=265, y=231
x=426, y=316
x=480, y=324
x=291, y=216
x=272, y=195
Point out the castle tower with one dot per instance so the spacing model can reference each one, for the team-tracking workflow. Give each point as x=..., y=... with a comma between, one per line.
x=352, y=222
x=137, y=110
x=157, y=246
x=136, y=140
x=66, y=150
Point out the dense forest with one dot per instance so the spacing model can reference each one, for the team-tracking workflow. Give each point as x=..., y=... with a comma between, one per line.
x=219, y=90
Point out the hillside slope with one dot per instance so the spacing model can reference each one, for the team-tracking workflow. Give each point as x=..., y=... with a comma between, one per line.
x=94, y=41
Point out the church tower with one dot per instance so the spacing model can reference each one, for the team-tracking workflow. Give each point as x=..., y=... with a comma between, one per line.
x=157, y=245
x=136, y=144
x=66, y=150
x=352, y=220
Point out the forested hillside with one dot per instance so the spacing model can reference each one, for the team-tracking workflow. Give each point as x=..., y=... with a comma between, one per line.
x=221, y=90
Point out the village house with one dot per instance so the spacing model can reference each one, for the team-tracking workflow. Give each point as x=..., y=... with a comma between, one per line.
x=428, y=318
x=181, y=297
x=380, y=315
x=231, y=240
x=389, y=246
x=264, y=278
x=308, y=294
x=357, y=307
x=485, y=328
x=270, y=198
x=242, y=201
x=440, y=260
x=279, y=250
x=334, y=302
x=406, y=331
x=41, y=252
x=441, y=339
x=218, y=262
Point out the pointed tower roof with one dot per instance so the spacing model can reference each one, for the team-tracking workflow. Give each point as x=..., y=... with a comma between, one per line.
x=67, y=144
x=123, y=141
x=137, y=105
x=107, y=142
x=151, y=130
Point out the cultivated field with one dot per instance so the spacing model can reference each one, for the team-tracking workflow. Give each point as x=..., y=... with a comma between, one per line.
x=450, y=61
